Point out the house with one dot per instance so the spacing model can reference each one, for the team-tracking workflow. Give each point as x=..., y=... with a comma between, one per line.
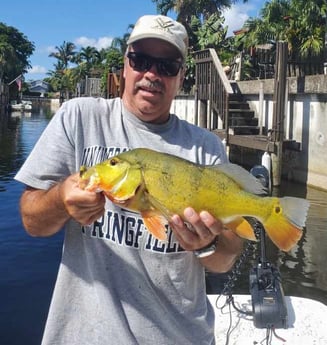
x=38, y=86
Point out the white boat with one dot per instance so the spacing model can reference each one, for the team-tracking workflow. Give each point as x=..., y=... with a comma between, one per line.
x=23, y=106
x=306, y=323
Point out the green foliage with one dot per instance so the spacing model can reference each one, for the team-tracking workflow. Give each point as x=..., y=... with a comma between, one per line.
x=302, y=23
x=204, y=23
x=15, y=50
x=88, y=62
x=212, y=33
x=114, y=62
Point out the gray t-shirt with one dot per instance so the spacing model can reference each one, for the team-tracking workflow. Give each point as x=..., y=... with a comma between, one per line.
x=116, y=283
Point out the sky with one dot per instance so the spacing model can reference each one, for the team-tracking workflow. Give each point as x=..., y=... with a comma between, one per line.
x=48, y=23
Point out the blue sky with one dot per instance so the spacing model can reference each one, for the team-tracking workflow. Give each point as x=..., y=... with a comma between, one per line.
x=48, y=23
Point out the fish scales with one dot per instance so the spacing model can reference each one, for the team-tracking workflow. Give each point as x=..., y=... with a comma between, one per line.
x=159, y=185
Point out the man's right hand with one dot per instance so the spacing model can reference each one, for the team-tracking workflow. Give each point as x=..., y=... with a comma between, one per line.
x=44, y=212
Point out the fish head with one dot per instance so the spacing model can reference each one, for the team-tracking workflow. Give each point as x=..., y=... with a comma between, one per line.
x=116, y=177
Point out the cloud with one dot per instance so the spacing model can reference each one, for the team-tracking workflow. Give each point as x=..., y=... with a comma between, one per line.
x=236, y=15
x=99, y=43
x=235, y=18
x=50, y=49
x=37, y=69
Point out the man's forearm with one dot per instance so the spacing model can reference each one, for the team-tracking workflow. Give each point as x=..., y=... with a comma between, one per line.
x=43, y=212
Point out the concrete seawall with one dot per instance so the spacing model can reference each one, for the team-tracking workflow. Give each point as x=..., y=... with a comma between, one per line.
x=305, y=122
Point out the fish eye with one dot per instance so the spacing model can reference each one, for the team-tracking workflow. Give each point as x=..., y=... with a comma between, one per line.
x=113, y=161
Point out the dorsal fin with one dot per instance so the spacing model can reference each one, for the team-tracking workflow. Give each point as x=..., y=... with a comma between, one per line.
x=242, y=177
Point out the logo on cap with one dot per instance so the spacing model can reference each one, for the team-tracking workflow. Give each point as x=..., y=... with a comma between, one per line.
x=163, y=24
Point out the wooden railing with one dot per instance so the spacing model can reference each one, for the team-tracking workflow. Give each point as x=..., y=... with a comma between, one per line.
x=115, y=84
x=263, y=65
x=212, y=89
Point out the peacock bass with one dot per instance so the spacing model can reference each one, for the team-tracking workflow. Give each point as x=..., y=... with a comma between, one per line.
x=159, y=185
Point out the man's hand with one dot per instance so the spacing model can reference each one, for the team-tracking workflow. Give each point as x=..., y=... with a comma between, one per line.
x=200, y=231
x=44, y=212
x=83, y=206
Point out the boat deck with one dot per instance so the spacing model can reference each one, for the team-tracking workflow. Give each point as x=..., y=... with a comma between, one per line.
x=306, y=323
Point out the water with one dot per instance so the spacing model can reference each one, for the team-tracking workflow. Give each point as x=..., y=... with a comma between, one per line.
x=28, y=266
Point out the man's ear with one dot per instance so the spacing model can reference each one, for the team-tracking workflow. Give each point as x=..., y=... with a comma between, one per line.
x=181, y=78
x=125, y=65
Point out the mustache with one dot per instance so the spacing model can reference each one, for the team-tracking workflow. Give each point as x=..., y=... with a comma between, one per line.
x=156, y=85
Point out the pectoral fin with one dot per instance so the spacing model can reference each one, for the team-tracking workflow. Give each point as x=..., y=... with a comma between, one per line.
x=242, y=228
x=155, y=223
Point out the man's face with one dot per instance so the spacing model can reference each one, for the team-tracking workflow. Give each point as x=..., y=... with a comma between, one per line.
x=148, y=94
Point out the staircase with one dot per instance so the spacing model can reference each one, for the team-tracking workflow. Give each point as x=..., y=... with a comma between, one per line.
x=241, y=119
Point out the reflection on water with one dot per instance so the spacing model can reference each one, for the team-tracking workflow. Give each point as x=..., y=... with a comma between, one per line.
x=28, y=266
x=304, y=269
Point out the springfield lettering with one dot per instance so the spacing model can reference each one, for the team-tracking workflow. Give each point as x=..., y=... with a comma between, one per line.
x=127, y=229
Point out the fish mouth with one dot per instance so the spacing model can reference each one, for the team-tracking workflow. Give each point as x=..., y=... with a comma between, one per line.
x=90, y=183
x=83, y=181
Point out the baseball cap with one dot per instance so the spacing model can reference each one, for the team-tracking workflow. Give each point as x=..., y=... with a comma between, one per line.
x=163, y=28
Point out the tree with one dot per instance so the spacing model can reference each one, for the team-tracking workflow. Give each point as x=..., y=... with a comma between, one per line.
x=299, y=22
x=62, y=79
x=15, y=50
x=120, y=43
x=203, y=21
x=65, y=53
x=186, y=10
x=89, y=55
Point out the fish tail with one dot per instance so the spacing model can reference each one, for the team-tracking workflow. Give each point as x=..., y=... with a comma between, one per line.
x=285, y=223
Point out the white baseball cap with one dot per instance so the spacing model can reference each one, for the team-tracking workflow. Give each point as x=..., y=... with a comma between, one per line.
x=163, y=28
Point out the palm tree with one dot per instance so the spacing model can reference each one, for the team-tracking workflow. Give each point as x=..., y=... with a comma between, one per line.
x=185, y=9
x=60, y=78
x=65, y=53
x=299, y=22
x=120, y=43
x=88, y=58
x=88, y=54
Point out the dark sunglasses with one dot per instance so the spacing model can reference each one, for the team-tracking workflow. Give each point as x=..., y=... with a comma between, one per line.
x=143, y=63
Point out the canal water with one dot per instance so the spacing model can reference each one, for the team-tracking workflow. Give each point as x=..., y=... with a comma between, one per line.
x=28, y=266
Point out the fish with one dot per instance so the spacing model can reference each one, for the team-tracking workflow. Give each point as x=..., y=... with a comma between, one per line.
x=158, y=185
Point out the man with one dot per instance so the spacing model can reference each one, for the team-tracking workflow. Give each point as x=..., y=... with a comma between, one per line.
x=116, y=283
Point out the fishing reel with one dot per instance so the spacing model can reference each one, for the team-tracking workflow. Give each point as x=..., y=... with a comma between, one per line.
x=268, y=300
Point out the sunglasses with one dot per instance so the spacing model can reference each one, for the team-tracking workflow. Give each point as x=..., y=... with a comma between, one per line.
x=143, y=63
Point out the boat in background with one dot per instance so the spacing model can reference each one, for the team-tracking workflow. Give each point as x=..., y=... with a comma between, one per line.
x=23, y=106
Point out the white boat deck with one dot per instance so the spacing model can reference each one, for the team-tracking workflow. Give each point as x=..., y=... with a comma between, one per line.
x=307, y=323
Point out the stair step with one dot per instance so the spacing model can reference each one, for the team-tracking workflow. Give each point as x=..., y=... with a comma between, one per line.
x=243, y=121
x=238, y=105
x=243, y=130
x=248, y=113
x=236, y=97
